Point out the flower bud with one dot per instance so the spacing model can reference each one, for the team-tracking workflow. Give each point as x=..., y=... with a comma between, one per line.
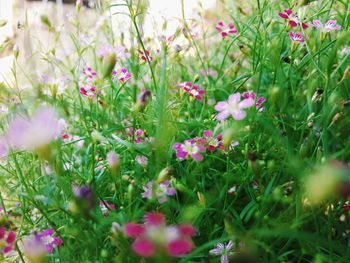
x=108, y=64
x=113, y=162
x=78, y=5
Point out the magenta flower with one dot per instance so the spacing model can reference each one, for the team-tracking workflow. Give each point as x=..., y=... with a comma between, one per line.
x=296, y=37
x=234, y=107
x=144, y=56
x=154, y=236
x=40, y=244
x=88, y=91
x=223, y=250
x=122, y=74
x=36, y=132
x=89, y=73
x=330, y=25
x=258, y=102
x=224, y=30
x=160, y=191
x=190, y=148
x=212, y=141
x=292, y=19
x=7, y=240
x=192, y=90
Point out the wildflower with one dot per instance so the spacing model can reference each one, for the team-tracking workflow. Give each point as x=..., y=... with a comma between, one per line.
x=85, y=199
x=292, y=19
x=233, y=107
x=48, y=239
x=296, y=37
x=223, y=250
x=141, y=160
x=330, y=25
x=143, y=99
x=155, y=235
x=258, y=102
x=112, y=159
x=224, y=30
x=7, y=240
x=34, y=133
x=123, y=75
x=89, y=73
x=192, y=90
x=105, y=207
x=159, y=191
x=213, y=142
x=190, y=148
x=347, y=207
x=145, y=56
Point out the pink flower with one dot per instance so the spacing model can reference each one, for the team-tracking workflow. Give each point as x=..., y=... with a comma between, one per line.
x=159, y=191
x=292, y=20
x=296, y=37
x=36, y=132
x=224, y=30
x=212, y=141
x=39, y=244
x=144, y=56
x=234, y=107
x=87, y=87
x=331, y=25
x=155, y=236
x=7, y=240
x=258, y=102
x=89, y=73
x=179, y=247
x=113, y=159
x=192, y=90
x=144, y=247
x=123, y=75
x=141, y=160
x=133, y=229
x=190, y=148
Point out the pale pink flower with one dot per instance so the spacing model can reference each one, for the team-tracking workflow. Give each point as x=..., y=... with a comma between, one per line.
x=36, y=132
x=223, y=250
x=330, y=25
x=122, y=74
x=160, y=191
x=113, y=159
x=141, y=160
x=234, y=107
x=296, y=37
x=226, y=30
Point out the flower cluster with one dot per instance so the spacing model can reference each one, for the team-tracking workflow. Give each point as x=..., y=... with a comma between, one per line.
x=144, y=56
x=38, y=245
x=155, y=236
x=226, y=30
x=330, y=25
x=193, y=90
x=159, y=191
x=7, y=240
x=123, y=75
x=88, y=77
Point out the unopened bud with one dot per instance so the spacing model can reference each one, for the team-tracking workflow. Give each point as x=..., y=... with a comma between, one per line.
x=109, y=64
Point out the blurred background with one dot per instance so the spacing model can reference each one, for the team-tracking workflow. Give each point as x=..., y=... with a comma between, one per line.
x=24, y=29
